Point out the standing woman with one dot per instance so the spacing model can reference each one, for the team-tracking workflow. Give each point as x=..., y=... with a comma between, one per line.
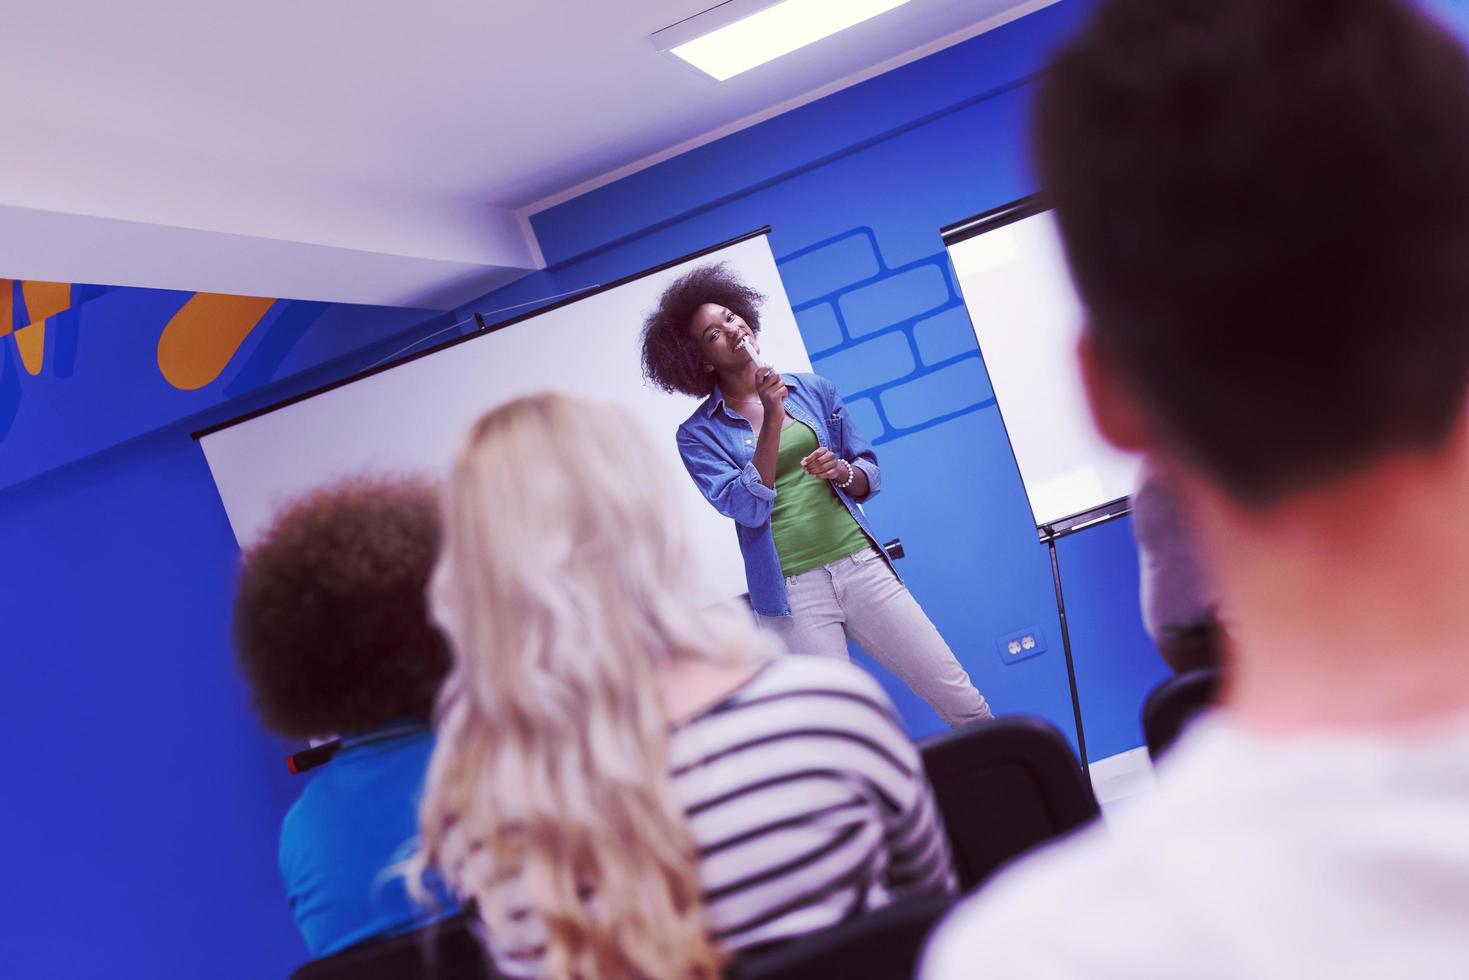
x=779, y=456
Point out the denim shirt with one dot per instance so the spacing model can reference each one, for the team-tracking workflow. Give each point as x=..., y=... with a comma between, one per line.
x=718, y=448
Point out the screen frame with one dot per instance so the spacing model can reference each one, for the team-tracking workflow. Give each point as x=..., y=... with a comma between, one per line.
x=964, y=230
x=484, y=329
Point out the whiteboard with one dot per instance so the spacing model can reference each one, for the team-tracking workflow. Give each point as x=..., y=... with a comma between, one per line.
x=412, y=416
x=1028, y=319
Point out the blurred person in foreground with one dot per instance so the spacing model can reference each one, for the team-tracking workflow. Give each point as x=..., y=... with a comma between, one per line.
x=628, y=784
x=332, y=632
x=1265, y=206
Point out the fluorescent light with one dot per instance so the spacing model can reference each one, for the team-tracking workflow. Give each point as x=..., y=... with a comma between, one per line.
x=776, y=30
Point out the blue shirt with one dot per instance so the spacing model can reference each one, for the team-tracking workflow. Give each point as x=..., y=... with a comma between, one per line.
x=718, y=448
x=341, y=838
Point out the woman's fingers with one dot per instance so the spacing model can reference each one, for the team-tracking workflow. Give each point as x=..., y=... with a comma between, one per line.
x=824, y=464
x=771, y=390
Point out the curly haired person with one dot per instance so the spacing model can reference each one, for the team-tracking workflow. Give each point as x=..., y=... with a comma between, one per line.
x=780, y=456
x=332, y=632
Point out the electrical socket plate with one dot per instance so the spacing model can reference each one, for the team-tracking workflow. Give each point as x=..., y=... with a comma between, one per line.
x=1021, y=645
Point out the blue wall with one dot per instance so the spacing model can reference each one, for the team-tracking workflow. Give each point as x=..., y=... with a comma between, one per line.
x=143, y=810
x=144, y=799
x=855, y=188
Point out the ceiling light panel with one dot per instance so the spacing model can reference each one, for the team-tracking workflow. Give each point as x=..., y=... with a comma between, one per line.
x=726, y=50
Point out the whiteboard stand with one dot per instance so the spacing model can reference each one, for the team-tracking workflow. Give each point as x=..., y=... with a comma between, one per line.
x=1049, y=533
x=1112, y=509
x=1027, y=321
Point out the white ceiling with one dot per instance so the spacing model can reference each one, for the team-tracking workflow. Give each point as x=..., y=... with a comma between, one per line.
x=363, y=152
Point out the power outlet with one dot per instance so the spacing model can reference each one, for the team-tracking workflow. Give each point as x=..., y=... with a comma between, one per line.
x=1021, y=645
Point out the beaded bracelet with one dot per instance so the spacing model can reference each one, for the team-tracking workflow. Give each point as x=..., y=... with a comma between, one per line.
x=851, y=475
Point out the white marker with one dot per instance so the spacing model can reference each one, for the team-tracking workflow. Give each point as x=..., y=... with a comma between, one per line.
x=749, y=348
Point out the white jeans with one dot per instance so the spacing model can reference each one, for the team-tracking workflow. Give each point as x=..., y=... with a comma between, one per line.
x=859, y=598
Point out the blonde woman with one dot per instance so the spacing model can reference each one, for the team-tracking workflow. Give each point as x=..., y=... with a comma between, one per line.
x=628, y=784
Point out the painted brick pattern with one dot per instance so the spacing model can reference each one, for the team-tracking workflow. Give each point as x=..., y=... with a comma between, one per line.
x=868, y=364
x=895, y=340
x=863, y=413
x=830, y=266
x=945, y=335
x=937, y=394
x=819, y=327
x=903, y=295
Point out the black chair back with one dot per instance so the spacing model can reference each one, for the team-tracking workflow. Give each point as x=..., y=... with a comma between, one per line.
x=881, y=945
x=1175, y=703
x=445, y=950
x=1004, y=787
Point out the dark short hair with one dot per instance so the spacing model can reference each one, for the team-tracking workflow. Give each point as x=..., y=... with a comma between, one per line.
x=331, y=619
x=1265, y=207
x=671, y=359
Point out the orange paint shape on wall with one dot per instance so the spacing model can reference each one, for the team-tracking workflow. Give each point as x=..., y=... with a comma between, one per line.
x=7, y=303
x=202, y=337
x=45, y=299
x=32, y=343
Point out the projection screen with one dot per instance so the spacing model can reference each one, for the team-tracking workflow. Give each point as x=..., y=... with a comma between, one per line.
x=410, y=416
x=1027, y=319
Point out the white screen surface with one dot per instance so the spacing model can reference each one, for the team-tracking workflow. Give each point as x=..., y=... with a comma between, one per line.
x=412, y=417
x=1027, y=319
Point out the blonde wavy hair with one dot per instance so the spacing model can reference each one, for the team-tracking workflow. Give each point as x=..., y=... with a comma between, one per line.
x=565, y=590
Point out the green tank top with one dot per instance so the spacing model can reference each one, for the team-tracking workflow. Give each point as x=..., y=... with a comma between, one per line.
x=810, y=524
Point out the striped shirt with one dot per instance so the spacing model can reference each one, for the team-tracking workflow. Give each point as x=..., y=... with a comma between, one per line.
x=808, y=804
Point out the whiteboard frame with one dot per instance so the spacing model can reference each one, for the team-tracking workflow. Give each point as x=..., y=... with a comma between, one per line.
x=483, y=331
x=963, y=231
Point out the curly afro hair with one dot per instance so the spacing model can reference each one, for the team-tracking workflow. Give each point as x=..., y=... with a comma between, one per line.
x=331, y=619
x=671, y=358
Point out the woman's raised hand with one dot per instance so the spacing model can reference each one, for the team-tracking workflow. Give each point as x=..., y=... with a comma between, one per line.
x=772, y=392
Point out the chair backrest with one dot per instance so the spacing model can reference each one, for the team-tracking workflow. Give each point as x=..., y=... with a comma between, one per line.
x=885, y=944
x=447, y=949
x=1175, y=703
x=1004, y=787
